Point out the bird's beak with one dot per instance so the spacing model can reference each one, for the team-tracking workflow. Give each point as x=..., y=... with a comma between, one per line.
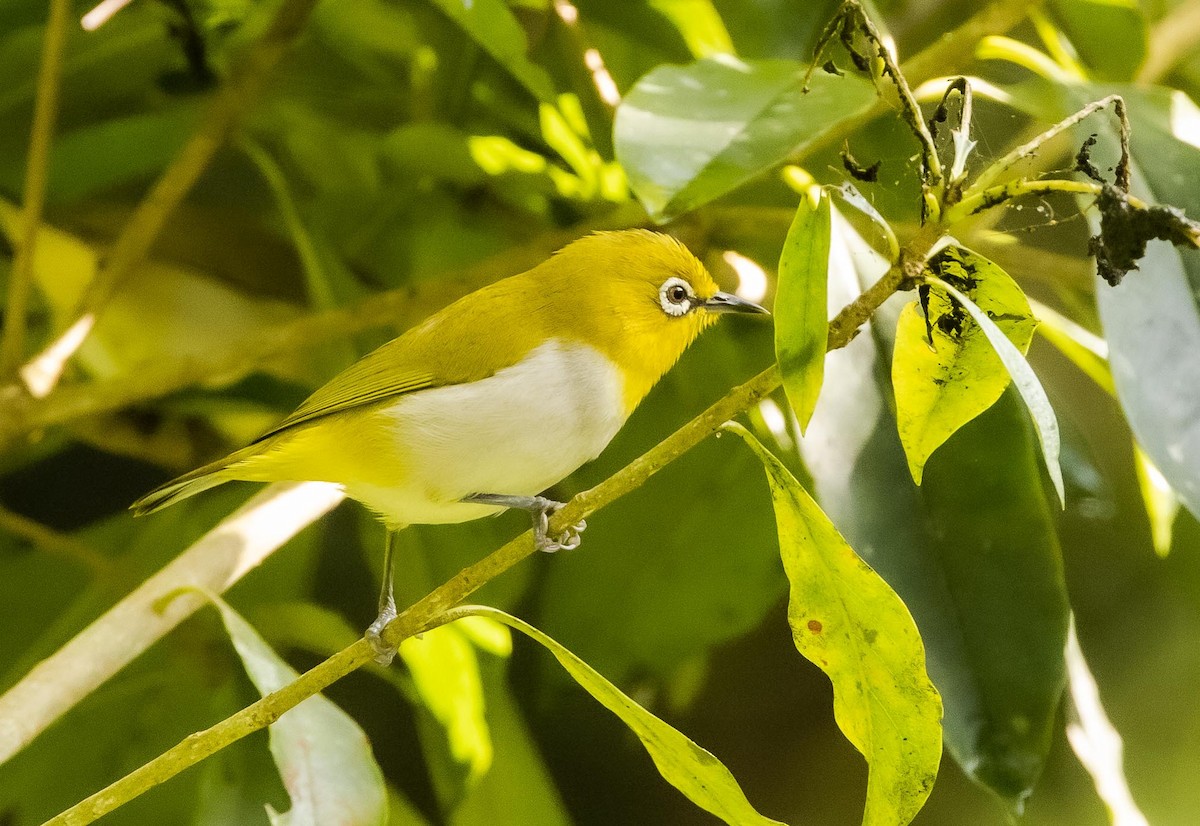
x=730, y=303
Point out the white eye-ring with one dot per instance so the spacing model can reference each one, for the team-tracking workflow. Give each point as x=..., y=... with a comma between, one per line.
x=675, y=296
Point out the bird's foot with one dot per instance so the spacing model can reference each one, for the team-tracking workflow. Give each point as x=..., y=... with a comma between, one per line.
x=541, y=509
x=384, y=653
x=568, y=540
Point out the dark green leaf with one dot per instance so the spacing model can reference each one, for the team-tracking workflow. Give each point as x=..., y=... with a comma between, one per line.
x=1110, y=35
x=689, y=134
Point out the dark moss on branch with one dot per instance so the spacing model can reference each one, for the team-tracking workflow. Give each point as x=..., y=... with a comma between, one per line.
x=1125, y=230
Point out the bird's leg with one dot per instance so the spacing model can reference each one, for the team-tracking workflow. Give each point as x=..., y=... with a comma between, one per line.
x=387, y=605
x=541, y=509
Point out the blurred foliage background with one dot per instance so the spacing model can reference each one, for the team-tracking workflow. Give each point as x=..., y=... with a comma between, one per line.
x=405, y=151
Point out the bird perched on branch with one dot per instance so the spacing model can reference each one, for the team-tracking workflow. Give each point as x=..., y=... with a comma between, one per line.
x=495, y=398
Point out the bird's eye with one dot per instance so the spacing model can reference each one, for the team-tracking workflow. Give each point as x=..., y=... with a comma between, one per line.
x=675, y=296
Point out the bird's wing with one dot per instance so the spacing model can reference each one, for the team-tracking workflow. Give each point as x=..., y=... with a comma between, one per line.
x=450, y=348
x=371, y=379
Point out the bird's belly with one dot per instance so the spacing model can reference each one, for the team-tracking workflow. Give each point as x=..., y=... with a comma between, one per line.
x=517, y=432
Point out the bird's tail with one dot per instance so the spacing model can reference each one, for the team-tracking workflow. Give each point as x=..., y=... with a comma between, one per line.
x=189, y=484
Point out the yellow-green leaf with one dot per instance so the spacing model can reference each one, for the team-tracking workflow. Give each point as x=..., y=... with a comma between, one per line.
x=1045, y=424
x=698, y=23
x=851, y=624
x=944, y=371
x=445, y=673
x=801, y=314
x=695, y=772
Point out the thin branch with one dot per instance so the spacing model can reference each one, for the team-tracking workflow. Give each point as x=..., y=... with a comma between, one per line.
x=45, y=112
x=1025, y=150
x=139, y=234
x=1002, y=193
x=950, y=54
x=426, y=612
x=54, y=542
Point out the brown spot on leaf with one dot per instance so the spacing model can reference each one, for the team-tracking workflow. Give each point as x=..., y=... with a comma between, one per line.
x=814, y=626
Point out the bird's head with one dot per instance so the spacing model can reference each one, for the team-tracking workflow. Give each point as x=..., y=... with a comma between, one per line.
x=642, y=297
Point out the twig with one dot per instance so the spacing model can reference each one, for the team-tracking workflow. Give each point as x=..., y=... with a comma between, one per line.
x=138, y=236
x=997, y=195
x=54, y=542
x=952, y=52
x=424, y=613
x=45, y=112
x=989, y=175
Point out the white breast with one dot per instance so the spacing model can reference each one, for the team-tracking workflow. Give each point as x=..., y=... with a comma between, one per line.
x=517, y=432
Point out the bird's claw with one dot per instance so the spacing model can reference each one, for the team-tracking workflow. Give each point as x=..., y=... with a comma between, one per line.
x=384, y=653
x=568, y=540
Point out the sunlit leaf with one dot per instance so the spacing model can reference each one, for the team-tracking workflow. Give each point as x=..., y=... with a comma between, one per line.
x=851, y=624
x=323, y=756
x=695, y=772
x=945, y=372
x=698, y=23
x=801, y=314
x=1162, y=505
x=1026, y=382
x=445, y=672
x=688, y=134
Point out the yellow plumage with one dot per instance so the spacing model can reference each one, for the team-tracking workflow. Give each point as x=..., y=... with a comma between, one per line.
x=505, y=391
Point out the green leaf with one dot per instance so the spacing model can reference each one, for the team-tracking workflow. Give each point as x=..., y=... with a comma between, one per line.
x=492, y=25
x=944, y=370
x=801, y=308
x=323, y=756
x=689, y=134
x=1110, y=35
x=93, y=158
x=1026, y=382
x=695, y=772
x=848, y=621
x=973, y=554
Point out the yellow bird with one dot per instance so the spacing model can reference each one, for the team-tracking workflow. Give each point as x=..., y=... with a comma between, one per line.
x=495, y=398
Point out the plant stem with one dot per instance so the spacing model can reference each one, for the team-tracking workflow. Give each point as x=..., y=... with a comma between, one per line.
x=950, y=54
x=426, y=612
x=989, y=175
x=996, y=195
x=45, y=112
x=139, y=234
